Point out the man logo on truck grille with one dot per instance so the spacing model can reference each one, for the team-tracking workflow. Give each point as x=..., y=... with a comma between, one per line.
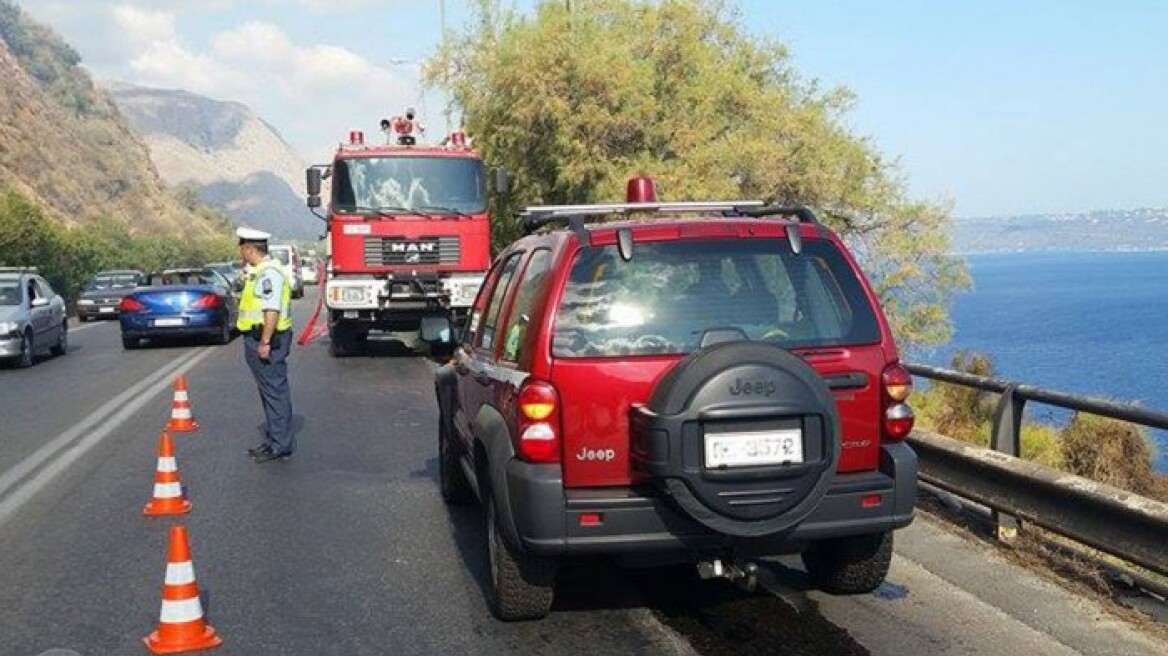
x=414, y=248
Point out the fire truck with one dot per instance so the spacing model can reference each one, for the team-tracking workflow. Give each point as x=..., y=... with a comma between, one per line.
x=408, y=236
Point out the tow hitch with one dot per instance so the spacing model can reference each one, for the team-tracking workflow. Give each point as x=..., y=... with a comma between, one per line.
x=742, y=574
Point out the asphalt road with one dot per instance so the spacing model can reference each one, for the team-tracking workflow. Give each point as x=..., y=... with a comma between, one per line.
x=348, y=549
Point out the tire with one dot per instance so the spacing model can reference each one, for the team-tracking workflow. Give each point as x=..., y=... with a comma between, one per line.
x=62, y=345
x=25, y=359
x=521, y=586
x=224, y=335
x=851, y=565
x=130, y=343
x=456, y=490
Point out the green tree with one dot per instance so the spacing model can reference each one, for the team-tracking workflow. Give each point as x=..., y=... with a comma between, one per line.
x=572, y=100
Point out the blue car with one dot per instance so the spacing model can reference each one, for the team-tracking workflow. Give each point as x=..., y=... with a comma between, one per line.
x=179, y=303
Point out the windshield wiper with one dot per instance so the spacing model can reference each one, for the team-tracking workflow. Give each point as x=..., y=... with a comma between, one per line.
x=446, y=210
x=387, y=211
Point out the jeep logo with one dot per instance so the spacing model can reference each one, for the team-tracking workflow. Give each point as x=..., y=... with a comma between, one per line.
x=755, y=388
x=413, y=247
x=598, y=455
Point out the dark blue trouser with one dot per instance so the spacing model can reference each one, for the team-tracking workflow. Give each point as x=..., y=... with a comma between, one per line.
x=271, y=378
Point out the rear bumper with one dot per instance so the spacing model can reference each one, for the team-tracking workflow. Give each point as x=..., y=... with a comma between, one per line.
x=201, y=324
x=637, y=520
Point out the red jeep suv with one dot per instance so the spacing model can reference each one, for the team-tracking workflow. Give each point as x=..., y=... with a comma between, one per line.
x=703, y=381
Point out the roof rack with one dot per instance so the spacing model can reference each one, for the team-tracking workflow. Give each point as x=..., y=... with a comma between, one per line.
x=537, y=216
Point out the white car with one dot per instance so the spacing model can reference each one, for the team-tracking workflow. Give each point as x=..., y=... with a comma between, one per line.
x=308, y=272
x=32, y=317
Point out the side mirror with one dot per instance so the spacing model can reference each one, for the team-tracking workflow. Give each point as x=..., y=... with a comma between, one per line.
x=502, y=181
x=313, y=182
x=40, y=301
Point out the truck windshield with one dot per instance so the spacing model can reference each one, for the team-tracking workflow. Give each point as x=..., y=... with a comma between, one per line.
x=435, y=185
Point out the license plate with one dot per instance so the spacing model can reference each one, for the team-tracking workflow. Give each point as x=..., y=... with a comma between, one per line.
x=754, y=448
x=169, y=322
x=105, y=310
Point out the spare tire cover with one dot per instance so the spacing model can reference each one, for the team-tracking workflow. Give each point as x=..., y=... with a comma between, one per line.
x=740, y=388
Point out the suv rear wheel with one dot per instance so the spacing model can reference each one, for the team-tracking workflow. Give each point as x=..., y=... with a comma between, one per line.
x=851, y=565
x=521, y=585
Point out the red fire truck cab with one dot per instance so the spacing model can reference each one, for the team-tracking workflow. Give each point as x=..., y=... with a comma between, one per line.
x=408, y=238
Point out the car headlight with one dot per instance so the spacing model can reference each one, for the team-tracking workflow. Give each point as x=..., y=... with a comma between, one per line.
x=9, y=328
x=85, y=301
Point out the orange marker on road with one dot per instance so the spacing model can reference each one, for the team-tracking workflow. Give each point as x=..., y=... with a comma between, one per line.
x=181, y=626
x=182, y=420
x=168, y=498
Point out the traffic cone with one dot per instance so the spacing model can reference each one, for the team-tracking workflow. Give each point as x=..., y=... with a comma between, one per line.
x=181, y=419
x=168, y=496
x=181, y=627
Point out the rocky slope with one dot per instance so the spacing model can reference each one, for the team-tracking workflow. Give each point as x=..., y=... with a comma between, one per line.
x=235, y=161
x=65, y=146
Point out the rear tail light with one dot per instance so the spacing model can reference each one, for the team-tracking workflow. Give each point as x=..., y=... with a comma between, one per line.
x=129, y=304
x=207, y=302
x=539, y=422
x=898, y=417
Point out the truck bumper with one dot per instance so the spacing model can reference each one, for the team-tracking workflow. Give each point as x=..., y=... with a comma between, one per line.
x=555, y=521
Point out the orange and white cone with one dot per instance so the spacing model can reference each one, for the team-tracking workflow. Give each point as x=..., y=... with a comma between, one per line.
x=181, y=418
x=181, y=627
x=168, y=496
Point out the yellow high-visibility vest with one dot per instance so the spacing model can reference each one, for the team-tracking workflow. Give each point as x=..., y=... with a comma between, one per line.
x=251, y=307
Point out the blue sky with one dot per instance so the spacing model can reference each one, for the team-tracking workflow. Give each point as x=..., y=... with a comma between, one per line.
x=998, y=107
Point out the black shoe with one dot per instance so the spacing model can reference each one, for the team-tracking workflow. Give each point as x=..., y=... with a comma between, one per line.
x=268, y=455
x=256, y=450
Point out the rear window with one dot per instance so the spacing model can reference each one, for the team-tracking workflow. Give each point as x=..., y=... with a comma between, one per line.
x=673, y=296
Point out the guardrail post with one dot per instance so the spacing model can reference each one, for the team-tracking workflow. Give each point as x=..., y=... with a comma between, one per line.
x=1006, y=438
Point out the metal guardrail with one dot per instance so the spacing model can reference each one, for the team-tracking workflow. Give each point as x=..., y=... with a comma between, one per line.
x=1114, y=521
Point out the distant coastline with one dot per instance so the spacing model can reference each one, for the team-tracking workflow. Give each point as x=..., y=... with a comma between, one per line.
x=1142, y=230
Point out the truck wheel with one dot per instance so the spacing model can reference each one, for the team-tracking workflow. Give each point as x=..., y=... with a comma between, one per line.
x=341, y=343
x=456, y=491
x=521, y=585
x=853, y=565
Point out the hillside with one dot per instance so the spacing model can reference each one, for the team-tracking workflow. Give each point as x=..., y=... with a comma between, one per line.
x=65, y=146
x=234, y=161
x=1105, y=230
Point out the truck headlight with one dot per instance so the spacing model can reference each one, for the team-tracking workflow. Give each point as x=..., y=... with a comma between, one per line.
x=348, y=295
x=463, y=290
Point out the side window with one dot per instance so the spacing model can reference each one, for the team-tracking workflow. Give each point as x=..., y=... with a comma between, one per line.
x=45, y=289
x=474, y=322
x=491, y=320
x=529, y=288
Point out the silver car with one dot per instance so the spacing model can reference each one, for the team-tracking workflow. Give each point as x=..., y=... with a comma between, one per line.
x=32, y=317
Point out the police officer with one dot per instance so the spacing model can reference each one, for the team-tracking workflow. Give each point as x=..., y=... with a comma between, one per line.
x=266, y=325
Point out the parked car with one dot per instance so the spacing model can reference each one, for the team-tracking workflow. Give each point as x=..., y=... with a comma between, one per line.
x=308, y=271
x=32, y=317
x=289, y=256
x=713, y=389
x=103, y=293
x=233, y=271
x=179, y=303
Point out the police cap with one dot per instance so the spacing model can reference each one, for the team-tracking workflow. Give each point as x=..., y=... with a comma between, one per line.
x=250, y=236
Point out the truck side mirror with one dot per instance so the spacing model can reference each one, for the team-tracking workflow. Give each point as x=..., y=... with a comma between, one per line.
x=502, y=181
x=313, y=179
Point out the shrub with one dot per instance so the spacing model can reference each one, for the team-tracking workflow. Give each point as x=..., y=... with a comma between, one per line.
x=1109, y=451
